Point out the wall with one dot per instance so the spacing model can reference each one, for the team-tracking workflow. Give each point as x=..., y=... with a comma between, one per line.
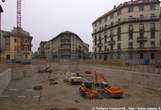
x=23, y=71
x=127, y=78
x=5, y=78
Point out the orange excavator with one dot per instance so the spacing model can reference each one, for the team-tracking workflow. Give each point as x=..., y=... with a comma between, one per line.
x=112, y=91
x=90, y=89
x=87, y=89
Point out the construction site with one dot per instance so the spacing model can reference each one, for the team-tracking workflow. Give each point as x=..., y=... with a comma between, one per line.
x=69, y=77
x=58, y=86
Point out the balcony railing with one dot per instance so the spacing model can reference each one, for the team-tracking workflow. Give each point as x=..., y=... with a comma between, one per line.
x=100, y=44
x=129, y=20
x=141, y=39
x=112, y=42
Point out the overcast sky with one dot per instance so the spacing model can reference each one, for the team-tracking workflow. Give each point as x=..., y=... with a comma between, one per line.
x=45, y=19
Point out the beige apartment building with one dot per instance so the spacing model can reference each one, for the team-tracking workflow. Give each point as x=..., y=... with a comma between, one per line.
x=15, y=46
x=66, y=45
x=129, y=32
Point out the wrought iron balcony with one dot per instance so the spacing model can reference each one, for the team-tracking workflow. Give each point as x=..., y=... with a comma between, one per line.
x=112, y=42
x=142, y=39
x=99, y=44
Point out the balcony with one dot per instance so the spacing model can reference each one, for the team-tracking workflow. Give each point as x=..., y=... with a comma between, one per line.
x=141, y=39
x=152, y=29
x=127, y=20
x=112, y=42
x=141, y=48
x=153, y=48
x=100, y=45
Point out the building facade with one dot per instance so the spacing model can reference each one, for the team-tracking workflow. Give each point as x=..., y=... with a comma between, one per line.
x=66, y=45
x=15, y=45
x=129, y=32
x=41, y=50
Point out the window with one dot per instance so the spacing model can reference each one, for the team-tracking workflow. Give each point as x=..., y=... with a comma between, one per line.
x=100, y=21
x=130, y=36
x=105, y=39
x=141, y=45
x=118, y=46
x=15, y=48
x=141, y=8
x=130, y=9
x=112, y=16
x=141, y=56
x=119, y=37
x=152, y=55
x=152, y=26
x=26, y=41
x=152, y=15
x=119, y=13
x=119, y=33
x=152, y=34
x=141, y=16
x=15, y=40
x=95, y=50
x=25, y=48
x=130, y=27
x=99, y=40
x=100, y=28
x=130, y=45
x=130, y=17
x=141, y=26
x=105, y=19
x=119, y=20
x=105, y=57
x=111, y=47
x=99, y=49
x=152, y=44
x=152, y=7
x=105, y=48
x=95, y=24
x=105, y=26
x=112, y=23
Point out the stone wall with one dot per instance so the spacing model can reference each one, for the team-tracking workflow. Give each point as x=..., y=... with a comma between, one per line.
x=5, y=78
x=23, y=71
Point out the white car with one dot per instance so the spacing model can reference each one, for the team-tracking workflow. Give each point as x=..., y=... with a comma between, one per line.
x=74, y=78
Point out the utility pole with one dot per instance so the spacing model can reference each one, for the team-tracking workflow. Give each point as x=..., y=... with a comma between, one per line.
x=1, y=11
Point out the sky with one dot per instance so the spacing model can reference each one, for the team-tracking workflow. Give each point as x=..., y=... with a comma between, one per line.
x=45, y=19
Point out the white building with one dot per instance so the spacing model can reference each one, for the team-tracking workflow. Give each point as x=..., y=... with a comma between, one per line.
x=129, y=32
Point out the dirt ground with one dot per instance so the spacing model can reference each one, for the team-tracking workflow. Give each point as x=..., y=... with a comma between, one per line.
x=20, y=95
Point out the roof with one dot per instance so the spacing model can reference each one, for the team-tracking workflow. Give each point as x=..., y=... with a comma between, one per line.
x=67, y=32
x=125, y=4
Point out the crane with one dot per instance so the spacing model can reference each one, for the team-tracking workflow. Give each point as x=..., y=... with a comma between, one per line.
x=18, y=13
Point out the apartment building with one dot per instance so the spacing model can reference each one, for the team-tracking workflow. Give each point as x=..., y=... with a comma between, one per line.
x=129, y=32
x=41, y=50
x=15, y=45
x=66, y=45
